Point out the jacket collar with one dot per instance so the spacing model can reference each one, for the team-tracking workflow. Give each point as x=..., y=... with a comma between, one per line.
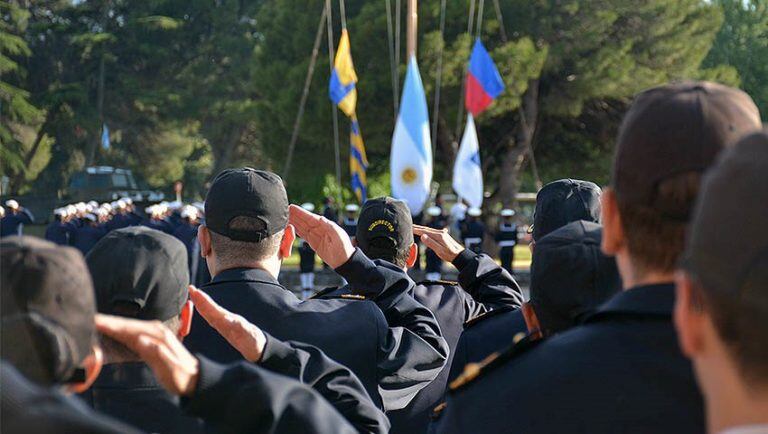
x=245, y=275
x=648, y=301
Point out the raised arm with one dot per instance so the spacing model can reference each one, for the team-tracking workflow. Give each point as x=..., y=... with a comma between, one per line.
x=487, y=285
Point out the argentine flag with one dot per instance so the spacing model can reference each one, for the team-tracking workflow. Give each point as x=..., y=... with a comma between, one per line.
x=411, y=158
x=467, y=172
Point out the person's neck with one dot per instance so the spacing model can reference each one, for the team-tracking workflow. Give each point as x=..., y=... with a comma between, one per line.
x=729, y=404
x=271, y=266
x=633, y=276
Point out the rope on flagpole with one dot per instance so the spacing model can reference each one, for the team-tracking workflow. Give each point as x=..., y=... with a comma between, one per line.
x=460, y=111
x=479, y=26
x=343, y=14
x=304, y=93
x=397, y=55
x=523, y=119
x=334, y=111
x=438, y=79
x=392, y=64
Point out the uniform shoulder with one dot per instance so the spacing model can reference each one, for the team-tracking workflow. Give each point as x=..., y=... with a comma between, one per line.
x=522, y=343
x=438, y=283
x=335, y=292
x=490, y=314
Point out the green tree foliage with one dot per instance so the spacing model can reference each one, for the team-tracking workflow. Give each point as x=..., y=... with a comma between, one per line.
x=189, y=87
x=19, y=118
x=743, y=43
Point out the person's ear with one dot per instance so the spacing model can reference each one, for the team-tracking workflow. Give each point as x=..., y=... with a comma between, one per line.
x=92, y=365
x=688, y=317
x=185, y=319
x=204, y=238
x=531, y=320
x=613, y=232
x=286, y=243
x=413, y=255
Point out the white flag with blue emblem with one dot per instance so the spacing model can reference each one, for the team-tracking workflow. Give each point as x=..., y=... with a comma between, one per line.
x=467, y=172
x=105, y=137
x=411, y=158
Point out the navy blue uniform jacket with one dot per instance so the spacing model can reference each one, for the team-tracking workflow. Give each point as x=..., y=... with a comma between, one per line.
x=619, y=372
x=392, y=363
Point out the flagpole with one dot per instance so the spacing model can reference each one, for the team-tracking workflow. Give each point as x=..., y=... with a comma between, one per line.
x=335, y=114
x=412, y=25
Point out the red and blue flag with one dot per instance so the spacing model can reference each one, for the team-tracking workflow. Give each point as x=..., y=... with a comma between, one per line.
x=484, y=82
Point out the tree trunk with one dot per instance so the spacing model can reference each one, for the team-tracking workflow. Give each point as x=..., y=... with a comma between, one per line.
x=519, y=146
x=223, y=157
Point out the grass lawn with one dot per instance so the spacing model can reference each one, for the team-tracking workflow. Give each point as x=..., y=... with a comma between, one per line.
x=522, y=258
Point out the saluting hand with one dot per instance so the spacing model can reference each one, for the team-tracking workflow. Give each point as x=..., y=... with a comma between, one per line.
x=247, y=338
x=174, y=366
x=326, y=238
x=439, y=241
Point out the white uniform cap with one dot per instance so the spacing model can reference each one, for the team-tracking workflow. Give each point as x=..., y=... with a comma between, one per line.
x=474, y=212
x=89, y=208
x=107, y=207
x=2, y=212
x=12, y=204
x=81, y=207
x=188, y=212
x=351, y=208
x=71, y=209
x=506, y=212
x=61, y=212
x=91, y=217
x=127, y=201
x=93, y=204
x=121, y=204
x=434, y=211
x=200, y=206
x=150, y=209
x=309, y=206
x=175, y=205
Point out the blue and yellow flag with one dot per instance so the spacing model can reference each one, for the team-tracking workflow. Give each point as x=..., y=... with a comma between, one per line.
x=358, y=162
x=341, y=89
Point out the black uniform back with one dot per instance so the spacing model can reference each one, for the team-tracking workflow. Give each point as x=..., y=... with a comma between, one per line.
x=482, y=286
x=30, y=409
x=621, y=371
x=392, y=366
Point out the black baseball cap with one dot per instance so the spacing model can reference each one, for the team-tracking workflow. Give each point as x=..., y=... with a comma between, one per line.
x=674, y=129
x=727, y=249
x=48, y=309
x=142, y=267
x=570, y=276
x=564, y=201
x=384, y=226
x=246, y=192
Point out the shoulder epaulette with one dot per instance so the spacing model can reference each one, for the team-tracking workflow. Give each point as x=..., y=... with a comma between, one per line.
x=472, y=371
x=486, y=315
x=353, y=296
x=438, y=282
x=324, y=292
x=438, y=409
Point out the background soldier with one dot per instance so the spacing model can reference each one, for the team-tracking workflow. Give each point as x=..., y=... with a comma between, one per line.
x=506, y=237
x=473, y=230
x=436, y=220
x=307, y=262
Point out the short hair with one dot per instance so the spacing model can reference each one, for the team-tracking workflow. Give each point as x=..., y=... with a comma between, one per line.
x=655, y=241
x=232, y=252
x=114, y=351
x=381, y=248
x=742, y=328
